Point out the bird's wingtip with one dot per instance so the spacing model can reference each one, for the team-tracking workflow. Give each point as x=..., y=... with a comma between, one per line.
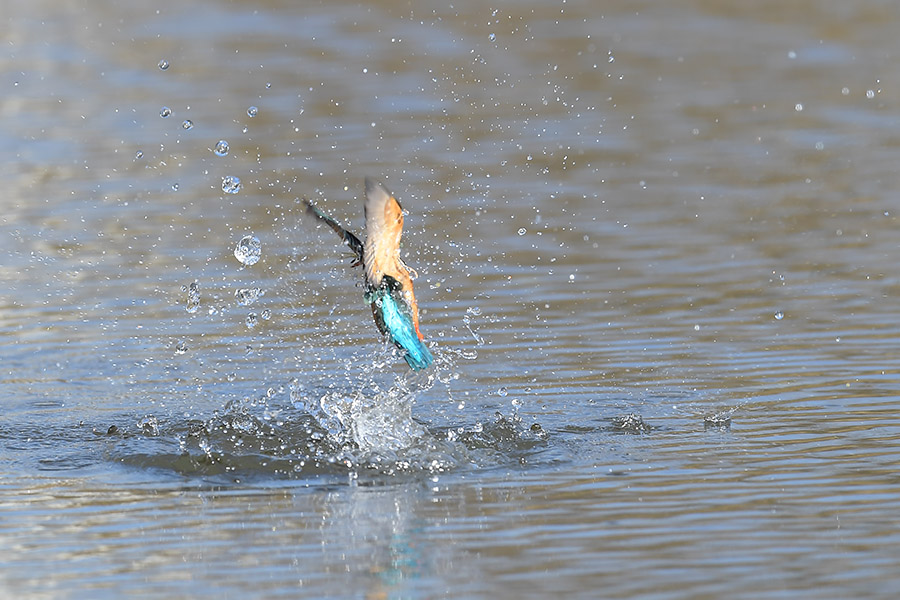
x=374, y=186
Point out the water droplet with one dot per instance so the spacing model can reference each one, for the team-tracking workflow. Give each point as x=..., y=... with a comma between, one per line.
x=522, y=231
x=248, y=250
x=231, y=376
x=138, y=155
x=181, y=347
x=165, y=111
x=265, y=315
x=246, y=297
x=492, y=37
x=252, y=320
x=175, y=187
x=163, y=65
x=473, y=310
x=221, y=148
x=779, y=315
x=187, y=124
x=870, y=94
x=193, y=301
x=798, y=107
x=252, y=111
x=502, y=392
x=231, y=184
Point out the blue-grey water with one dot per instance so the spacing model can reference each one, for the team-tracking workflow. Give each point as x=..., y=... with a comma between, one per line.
x=658, y=264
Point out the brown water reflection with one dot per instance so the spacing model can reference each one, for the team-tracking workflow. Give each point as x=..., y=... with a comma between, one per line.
x=678, y=216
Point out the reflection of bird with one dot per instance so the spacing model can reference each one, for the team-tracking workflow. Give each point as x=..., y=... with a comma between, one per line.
x=389, y=287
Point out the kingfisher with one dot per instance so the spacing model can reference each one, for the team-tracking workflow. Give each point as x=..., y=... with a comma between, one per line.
x=388, y=281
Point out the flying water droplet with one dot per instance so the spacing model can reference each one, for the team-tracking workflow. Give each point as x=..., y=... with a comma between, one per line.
x=252, y=111
x=265, y=315
x=165, y=111
x=248, y=250
x=221, y=148
x=193, y=301
x=231, y=184
x=502, y=392
x=246, y=297
x=522, y=231
x=181, y=347
x=163, y=65
x=779, y=315
x=138, y=155
x=187, y=124
x=252, y=320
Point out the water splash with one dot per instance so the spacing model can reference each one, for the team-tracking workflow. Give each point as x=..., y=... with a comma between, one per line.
x=359, y=427
x=149, y=425
x=473, y=311
x=368, y=416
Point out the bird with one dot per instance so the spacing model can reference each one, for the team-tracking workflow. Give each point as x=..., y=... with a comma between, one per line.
x=388, y=280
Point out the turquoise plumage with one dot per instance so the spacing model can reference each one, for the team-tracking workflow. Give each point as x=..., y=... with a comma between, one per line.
x=393, y=318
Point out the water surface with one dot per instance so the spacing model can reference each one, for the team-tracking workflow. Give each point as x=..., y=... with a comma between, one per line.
x=657, y=256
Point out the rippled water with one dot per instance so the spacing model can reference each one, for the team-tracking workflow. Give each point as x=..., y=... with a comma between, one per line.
x=657, y=254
